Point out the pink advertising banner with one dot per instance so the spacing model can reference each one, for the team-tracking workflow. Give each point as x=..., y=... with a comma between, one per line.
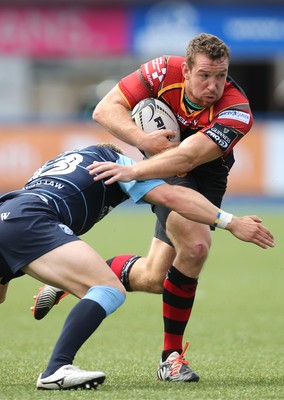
x=63, y=31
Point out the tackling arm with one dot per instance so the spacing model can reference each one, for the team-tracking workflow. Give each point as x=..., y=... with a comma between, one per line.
x=193, y=151
x=194, y=206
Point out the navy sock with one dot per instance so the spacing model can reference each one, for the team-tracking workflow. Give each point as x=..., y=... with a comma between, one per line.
x=82, y=321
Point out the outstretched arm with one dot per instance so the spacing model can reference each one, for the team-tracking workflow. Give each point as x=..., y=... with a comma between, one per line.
x=249, y=229
x=194, y=206
x=190, y=204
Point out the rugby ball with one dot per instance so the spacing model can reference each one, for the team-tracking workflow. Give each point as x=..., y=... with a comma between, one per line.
x=152, y=114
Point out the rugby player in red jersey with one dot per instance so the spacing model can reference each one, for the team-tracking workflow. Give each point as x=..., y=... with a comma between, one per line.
x=213, y=114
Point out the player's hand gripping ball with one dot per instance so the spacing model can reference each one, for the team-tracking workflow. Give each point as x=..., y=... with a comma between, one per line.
x=152, y=114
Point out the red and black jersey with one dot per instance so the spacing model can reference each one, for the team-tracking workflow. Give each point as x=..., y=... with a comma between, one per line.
x=225, y=122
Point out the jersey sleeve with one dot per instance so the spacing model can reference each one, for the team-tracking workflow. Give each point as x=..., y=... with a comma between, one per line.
x=144, y=82
x=137, y=189
x=232, y=120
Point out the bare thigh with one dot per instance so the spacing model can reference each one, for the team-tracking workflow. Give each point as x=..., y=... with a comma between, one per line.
x=74, y=267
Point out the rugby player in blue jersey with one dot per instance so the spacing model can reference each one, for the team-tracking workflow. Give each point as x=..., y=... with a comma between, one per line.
x=40, y=227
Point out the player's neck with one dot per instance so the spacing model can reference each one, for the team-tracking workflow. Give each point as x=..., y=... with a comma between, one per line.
x=189, y=104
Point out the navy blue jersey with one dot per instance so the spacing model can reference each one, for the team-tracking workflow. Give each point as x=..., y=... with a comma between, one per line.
x=59, y=202
x=79, y=200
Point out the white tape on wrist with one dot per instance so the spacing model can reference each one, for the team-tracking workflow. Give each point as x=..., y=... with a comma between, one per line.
x=222, y=219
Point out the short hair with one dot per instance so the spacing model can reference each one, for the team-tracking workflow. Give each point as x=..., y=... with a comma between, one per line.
x=111, y=146
x=207, y=44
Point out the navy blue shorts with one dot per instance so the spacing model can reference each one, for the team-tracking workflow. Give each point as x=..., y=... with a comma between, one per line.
x=29, y=228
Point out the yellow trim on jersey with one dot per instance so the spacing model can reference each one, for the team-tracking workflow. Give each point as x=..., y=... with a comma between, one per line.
x=122, y=95
x=170, y=87
x=211, y=113
x=180, y=85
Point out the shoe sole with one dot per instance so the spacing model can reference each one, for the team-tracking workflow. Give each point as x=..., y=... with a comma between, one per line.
x=88, y=385
x=43, y=304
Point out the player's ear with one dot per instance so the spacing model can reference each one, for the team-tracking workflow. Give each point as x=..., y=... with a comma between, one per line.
x=185, y=70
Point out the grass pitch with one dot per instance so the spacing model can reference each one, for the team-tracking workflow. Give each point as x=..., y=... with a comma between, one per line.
x=235, y=333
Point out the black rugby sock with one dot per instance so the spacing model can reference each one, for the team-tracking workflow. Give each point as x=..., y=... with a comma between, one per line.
x=178, y=298
x=82, y=321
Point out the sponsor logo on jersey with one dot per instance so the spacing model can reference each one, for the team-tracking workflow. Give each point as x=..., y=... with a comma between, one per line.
x=154, y=70
x=221, y=135
x=65, y=229
x=4, y=216
x=156, y=64
x=156, y=75
x=237, y=115
x=46, y=182
x=194, y=122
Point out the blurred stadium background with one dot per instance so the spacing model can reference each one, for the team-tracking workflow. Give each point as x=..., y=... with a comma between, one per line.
x=59, y=57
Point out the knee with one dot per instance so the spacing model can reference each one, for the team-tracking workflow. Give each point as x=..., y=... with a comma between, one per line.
x=194, y=253
x=200, y=251
x=109, y=297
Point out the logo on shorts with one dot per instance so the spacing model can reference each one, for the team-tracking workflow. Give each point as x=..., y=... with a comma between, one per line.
x=65, y=229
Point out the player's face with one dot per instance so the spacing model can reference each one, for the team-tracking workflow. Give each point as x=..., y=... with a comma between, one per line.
x=205, y=81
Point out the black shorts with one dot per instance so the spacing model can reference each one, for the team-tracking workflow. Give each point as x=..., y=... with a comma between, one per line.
x=29, y=228
x=209, y=179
